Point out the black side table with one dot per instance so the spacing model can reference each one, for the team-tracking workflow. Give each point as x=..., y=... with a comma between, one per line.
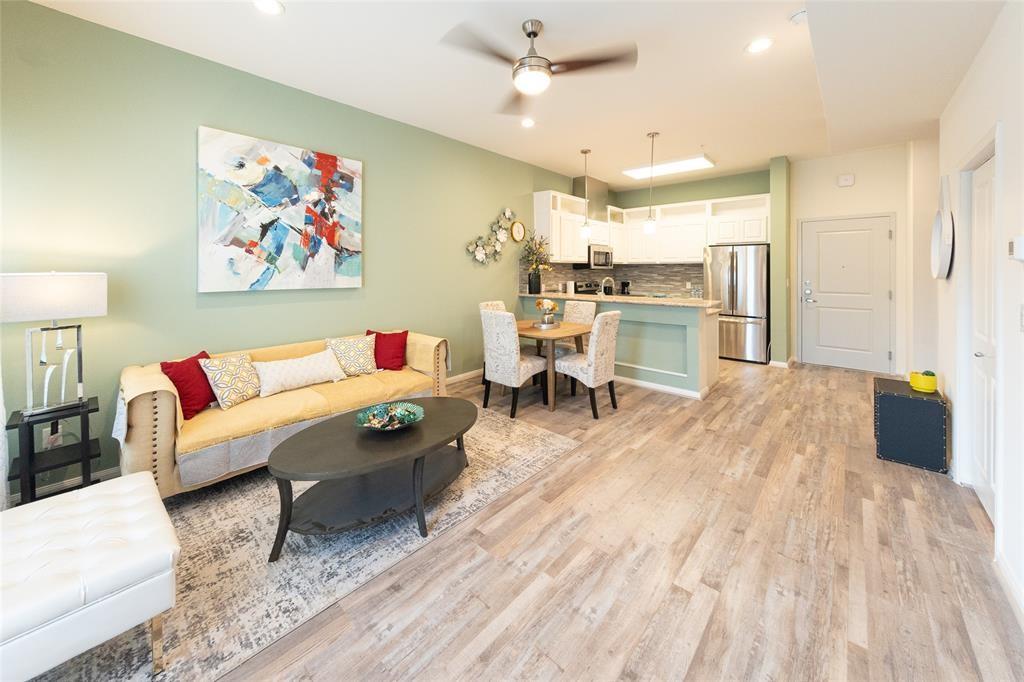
x=29, y=463
x=911, y=427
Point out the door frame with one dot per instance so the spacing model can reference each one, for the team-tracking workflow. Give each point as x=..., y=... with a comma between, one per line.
x=896, y=362
x=962, y=467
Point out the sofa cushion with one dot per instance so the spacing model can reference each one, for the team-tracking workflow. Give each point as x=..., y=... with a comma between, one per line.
x=193, y=387
x=355, y=354
x=233, y=379
x=370, y=389
x=72, y=550
x=389, y=349
x=284, y=375
x=255, y=415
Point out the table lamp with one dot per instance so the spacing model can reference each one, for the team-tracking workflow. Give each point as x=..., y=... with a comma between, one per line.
x=36, y=296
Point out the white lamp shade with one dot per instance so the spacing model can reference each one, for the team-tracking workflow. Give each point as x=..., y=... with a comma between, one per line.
x=38, y=296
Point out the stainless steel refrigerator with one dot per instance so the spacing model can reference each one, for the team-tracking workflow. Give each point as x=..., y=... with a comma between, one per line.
x=738, y=277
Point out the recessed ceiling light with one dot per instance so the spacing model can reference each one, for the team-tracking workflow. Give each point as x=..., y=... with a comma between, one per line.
x=527, y=122
x=758, y=45
x=798, y=17
x=671, y=167
x=274, y=7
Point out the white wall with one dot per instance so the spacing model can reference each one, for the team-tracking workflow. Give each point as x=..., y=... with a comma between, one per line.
x=923, y=196
x=894, y=179
x=987, y=105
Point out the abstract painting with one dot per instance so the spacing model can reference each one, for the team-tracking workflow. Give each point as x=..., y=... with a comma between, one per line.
x=272, y=216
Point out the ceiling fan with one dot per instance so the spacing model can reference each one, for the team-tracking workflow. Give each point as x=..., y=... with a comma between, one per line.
x=531, y=73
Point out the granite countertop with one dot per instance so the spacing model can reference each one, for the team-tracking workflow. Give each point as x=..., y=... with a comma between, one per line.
x=674, y=301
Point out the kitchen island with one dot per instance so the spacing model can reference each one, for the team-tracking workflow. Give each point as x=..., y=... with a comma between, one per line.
x=667, y=343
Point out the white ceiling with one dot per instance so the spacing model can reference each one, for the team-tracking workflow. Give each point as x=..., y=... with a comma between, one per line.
x=882, y=81
x=887, y=69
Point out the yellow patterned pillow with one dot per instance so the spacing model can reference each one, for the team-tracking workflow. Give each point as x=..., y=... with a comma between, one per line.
x=355, y=354
x=232, y=378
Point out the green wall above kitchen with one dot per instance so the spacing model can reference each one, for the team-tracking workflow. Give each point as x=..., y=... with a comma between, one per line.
x=756, y=182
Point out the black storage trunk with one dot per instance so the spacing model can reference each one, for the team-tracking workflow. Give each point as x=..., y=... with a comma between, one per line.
x=911, y=427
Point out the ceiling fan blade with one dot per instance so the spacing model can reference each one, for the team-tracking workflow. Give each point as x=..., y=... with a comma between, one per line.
x=465, y=38
x=621, y=57
x=515, y=105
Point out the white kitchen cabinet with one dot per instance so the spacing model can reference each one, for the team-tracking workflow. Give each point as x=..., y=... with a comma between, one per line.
x=572, y=247
x=739, y=220
x=680, y=242
x=620, y=244
x=600, y=233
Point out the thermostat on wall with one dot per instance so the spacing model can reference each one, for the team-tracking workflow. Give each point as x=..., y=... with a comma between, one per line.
x=846, y=180
x=1017, y=247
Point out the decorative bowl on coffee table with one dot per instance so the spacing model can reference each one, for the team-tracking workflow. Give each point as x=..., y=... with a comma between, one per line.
x=389, y=416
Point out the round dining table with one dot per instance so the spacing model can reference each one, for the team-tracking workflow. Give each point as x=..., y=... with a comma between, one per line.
x=548, y=337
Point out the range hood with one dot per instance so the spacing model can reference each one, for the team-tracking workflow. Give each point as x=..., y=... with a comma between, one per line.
x=598, y=190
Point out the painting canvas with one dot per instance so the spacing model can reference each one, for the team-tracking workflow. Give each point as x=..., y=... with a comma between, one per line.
x=273, y=216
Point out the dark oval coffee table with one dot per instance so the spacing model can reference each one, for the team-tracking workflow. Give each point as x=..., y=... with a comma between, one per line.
x=364, y=475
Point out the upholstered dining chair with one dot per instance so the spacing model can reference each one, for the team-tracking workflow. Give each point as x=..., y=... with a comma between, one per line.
x=596, y=367
x=580, y=312
x=489, y=305
x=504, y=363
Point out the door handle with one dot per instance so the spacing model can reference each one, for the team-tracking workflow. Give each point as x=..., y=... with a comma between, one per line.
x=810, y=300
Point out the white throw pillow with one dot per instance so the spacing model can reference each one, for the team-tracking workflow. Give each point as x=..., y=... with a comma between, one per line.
x=284, y=375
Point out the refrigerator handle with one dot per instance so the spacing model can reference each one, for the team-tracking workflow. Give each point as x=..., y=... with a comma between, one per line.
x=733, y=277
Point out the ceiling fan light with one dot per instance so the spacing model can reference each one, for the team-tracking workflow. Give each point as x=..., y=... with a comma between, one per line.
x=272, y=7
x=531, y=79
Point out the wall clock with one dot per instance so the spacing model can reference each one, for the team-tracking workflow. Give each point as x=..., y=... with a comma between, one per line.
x=518, y=231
x=943, y=237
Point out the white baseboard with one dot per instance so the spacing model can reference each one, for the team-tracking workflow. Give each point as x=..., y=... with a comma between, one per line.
x=661, y=388
x=1013, y=589
x=779, y=363
x=472, y=374
x=50, y=488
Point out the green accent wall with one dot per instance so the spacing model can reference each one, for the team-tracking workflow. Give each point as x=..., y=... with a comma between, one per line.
x=779, y=238
x=756, y=182
x=98, y=137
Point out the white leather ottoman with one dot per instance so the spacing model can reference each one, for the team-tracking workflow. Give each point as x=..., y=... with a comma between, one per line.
x=79, y=568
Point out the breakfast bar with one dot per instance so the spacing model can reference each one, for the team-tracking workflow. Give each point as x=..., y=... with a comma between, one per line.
x=665, y=343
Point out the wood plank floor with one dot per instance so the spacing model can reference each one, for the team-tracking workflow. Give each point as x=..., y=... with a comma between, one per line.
x=753, y=535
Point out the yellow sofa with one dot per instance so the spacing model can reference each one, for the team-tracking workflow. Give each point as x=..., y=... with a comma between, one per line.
x=217, y=444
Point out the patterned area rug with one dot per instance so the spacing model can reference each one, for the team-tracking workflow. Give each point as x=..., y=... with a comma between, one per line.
x=232, y=603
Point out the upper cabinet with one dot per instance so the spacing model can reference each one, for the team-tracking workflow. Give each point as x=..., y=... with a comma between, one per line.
x=682, y=232
x=560, y=219
x=739, y=220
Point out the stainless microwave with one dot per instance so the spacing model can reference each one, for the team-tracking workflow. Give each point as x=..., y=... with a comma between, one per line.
x=599, y=257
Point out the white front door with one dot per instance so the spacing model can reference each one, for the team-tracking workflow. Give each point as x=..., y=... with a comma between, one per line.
x=983, y=338
x=845, y=292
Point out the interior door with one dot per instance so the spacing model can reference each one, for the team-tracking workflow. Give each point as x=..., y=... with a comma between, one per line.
x=983, y=337
x=845, y=293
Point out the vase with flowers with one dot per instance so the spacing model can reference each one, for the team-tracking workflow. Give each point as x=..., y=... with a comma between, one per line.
x=547, y=309
x=536, y=258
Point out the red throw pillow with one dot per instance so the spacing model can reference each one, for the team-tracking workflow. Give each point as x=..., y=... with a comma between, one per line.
x=190, y=380
x=389, y=349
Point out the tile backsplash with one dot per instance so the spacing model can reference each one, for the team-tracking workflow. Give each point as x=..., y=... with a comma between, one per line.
x=662, y=279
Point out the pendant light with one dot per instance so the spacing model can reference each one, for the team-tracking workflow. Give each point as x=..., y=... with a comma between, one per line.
x=585, y=230
x=651, y=225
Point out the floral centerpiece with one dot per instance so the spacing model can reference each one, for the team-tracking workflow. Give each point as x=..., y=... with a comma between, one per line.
x=536, y=257
x=547, y=308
